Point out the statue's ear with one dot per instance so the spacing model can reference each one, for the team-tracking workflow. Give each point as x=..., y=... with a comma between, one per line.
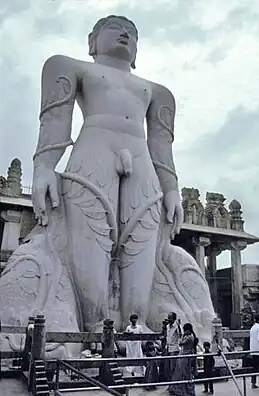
x=92, y=45
x=133, y=63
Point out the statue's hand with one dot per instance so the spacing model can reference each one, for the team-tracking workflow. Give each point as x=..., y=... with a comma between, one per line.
x=44, y=181
x=174, y=210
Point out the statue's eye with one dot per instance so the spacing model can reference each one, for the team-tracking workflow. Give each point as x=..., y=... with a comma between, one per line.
x=131, y=31
x=114, y=27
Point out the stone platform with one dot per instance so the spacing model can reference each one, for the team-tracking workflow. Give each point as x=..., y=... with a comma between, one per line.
x=13, y=387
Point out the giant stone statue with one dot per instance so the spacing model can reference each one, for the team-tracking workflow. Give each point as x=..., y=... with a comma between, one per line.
x=102, y=244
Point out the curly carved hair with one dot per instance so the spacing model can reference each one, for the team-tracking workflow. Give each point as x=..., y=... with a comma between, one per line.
x=96, y=30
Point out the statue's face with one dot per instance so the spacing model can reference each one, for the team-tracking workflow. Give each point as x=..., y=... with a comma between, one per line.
x=117, y=38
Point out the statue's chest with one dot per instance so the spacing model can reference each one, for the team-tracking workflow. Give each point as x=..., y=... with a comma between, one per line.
x=107, y=79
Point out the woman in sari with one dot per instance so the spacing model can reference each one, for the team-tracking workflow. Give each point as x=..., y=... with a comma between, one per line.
x=185, y=370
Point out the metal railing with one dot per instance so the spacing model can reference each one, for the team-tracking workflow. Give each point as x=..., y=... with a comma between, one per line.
x=126, y=387
x=89, y=379
x=162, y=384
x=54, y=365
x=26, y=190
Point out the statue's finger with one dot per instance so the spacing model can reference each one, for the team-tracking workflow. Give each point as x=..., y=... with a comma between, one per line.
x=169, y=217
x=172, y=234
x=44, y=218
x=170, y=211
x=39, y=220
x=178, y=220
x=54, y=197
x=40, y=199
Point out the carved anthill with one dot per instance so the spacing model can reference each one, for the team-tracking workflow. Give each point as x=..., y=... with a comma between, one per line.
x=192, y=206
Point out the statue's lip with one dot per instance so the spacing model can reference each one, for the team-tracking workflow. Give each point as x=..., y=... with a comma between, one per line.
x=123, y=40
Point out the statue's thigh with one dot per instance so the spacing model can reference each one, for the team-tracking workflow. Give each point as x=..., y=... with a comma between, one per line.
x=139, y=223
x=91, y=195
x=140, y=209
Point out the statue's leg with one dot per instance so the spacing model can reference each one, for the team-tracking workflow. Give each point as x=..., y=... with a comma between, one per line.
x=139, y=223
x=90, y=193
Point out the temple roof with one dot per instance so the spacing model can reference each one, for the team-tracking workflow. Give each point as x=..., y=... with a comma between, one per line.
x=221, y=232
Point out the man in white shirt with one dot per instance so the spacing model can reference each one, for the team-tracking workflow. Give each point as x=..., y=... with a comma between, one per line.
x=254, y=348
x=134, y=348
x=173, y=337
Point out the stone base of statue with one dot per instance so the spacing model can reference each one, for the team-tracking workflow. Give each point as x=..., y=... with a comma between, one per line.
x=38, y=279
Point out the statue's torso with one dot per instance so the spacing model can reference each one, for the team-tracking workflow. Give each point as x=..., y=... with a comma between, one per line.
x=116, y=96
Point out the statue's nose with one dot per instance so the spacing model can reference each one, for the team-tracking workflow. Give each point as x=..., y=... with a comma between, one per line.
x=124, y=34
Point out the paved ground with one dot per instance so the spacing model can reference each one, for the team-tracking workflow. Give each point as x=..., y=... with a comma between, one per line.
x=11, y=387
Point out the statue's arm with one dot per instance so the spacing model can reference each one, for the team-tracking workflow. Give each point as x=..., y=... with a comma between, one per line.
x=160, y=136
x=58, y=90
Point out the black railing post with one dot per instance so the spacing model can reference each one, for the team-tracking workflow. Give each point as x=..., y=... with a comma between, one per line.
x=38, y=338
x=107, y=351
x=244, y=386
x=108, y=339
x=37, y=348
x=27, y=347
x=57, y=376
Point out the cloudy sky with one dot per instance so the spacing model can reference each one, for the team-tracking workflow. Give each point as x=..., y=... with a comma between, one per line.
x=205, y=51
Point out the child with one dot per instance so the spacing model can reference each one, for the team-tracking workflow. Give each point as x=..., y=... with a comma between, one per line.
x=151, y=374
x=209, y=363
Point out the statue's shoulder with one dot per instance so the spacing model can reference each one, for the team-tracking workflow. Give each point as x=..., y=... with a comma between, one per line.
x=58, y=63
x=160, y=92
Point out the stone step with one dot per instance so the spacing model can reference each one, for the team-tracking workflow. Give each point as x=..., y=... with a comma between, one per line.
x=41, y=388
x=114, y=369
x=40, y=373
x=118, y=381
x=42, y=380
x=117, y=375
x=113, y=364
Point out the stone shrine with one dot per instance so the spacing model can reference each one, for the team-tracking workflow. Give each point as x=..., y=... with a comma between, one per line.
x=102, y=244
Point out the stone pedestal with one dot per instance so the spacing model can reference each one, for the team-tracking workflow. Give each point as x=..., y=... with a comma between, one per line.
x=237, y=282
x=200, y=244
x=217, y=336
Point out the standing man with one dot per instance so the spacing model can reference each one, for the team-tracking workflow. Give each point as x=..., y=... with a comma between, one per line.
x=173, y=337
x=134, y=348
x=254, y=348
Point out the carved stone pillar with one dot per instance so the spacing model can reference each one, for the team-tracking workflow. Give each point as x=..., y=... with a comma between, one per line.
x=237, y=282
x=200, y=244
x=212, y=275
x=11, y=231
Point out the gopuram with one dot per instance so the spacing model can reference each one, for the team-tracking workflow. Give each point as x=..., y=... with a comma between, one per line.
x=101, y=247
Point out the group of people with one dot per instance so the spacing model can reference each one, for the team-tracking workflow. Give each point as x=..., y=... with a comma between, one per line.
x=179, y=341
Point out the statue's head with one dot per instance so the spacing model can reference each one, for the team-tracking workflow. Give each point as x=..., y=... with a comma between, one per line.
x=114, y=36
